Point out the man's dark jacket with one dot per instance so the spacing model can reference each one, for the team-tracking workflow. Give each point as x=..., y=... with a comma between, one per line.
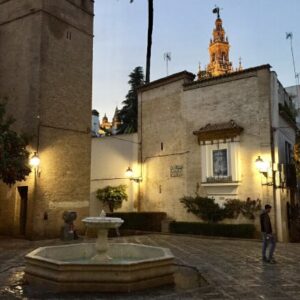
x=265, y=223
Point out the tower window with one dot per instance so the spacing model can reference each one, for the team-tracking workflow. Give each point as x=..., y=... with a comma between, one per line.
x=223, y=56
x=161, y=146
x=69, y=35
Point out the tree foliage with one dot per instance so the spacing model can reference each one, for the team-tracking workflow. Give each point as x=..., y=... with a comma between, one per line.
x=113, y=196
x=149, y=38
x=129, y=112
x=297, y=154
x=14, y=158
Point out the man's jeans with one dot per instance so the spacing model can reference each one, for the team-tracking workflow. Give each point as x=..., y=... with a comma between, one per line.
x=268, y=240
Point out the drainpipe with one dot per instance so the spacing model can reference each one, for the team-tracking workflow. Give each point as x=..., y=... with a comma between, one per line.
x=272, y=138
x=140, y=156
x=272, y=130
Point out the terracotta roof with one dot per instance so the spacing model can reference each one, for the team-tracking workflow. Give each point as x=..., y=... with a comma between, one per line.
x=218, y=131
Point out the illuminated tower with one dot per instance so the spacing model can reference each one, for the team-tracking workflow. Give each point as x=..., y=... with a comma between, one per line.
x=219, y=51
x=116, y=122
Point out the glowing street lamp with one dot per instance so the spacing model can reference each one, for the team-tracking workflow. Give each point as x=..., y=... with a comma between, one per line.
x=129, y=174
x=34, y=160
x=261, y=166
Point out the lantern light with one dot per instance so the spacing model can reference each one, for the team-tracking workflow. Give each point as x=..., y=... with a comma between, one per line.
x=262, y=166
x=35, y=160
x=129, y=172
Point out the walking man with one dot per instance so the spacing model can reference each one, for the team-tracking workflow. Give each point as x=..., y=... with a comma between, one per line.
x=267, y=235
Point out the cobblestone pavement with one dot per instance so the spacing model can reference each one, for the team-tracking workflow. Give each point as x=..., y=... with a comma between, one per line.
x=232, y=269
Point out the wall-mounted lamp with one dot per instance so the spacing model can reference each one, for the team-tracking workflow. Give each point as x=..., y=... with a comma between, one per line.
x=34, y=160
x=263, y=168
x=129, y=174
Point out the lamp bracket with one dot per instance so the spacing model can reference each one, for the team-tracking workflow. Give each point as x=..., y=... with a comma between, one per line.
x=265, y=174
x=138, y=179
x=268, y=184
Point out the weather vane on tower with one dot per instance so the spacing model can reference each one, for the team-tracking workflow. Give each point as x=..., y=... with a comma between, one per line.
x=216, y=10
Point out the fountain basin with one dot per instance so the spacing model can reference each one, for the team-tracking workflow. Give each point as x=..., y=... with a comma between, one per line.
x=102, y=222
x=70, y=268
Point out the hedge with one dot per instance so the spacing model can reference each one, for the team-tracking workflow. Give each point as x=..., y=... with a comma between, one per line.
x=214, y=229
x=142, y=221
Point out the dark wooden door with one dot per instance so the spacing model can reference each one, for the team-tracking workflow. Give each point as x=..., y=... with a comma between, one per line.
x=23, y=191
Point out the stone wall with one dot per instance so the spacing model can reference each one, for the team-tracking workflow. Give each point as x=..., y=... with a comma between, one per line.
x=46, y=74
x=111, y=156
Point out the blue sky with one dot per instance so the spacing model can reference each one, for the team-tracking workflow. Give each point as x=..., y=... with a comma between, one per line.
x=256, y=31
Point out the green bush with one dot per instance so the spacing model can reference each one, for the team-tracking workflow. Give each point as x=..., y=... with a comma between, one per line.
x=209, y=211
x=142, y=221
x=203, y=207
x=234, y=207
x=212, y=229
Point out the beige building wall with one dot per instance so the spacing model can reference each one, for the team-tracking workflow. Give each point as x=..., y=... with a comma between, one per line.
x=171, y=109
x=283, y=132
x=46, y=75
x=294, y=92
x=111, y=156
x=162, y=128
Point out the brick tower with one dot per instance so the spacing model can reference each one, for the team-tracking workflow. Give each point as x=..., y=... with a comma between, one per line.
x=46, y=53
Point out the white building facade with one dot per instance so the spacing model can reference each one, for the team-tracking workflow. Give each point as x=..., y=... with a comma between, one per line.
x=205, y=136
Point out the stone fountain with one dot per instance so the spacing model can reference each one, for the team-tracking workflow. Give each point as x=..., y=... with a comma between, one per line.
x=102, y=224
x=99, y=267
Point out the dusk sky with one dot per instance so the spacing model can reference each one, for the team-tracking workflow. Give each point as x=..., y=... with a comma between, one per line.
x=256, y=30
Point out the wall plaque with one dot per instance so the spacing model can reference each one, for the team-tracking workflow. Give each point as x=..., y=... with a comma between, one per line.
x=176, y=171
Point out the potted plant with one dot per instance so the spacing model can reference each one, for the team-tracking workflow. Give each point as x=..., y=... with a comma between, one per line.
x=112, y=196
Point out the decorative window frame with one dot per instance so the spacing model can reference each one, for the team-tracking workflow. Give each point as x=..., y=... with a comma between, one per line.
x=233, y=153
x=220, y=136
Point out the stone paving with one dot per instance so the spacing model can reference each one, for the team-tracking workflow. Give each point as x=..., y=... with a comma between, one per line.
x=232, y=269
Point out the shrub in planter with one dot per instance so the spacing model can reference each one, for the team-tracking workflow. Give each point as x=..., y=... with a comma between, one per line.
x=113, y=196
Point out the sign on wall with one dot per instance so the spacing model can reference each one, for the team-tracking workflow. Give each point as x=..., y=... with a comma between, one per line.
x=176, y=171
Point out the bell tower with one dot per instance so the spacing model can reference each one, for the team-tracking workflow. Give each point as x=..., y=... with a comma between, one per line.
x=46, y=54
x=219, y=46
x=219, y=50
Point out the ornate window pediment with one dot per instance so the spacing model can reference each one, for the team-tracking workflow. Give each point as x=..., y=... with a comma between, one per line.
x=218, y=131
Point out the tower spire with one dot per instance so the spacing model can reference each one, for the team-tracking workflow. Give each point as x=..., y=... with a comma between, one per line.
x=219, y=46
x=219, y=49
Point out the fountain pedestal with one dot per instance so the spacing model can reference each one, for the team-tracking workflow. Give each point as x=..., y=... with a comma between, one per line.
x=101, y=246
x=102, y=224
